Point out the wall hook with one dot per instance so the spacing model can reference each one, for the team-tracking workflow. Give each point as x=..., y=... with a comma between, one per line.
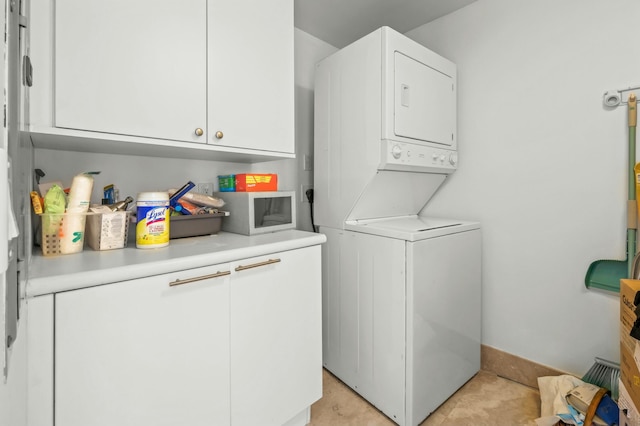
x=613, y=98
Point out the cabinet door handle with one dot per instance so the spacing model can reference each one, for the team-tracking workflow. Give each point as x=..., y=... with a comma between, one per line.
x=256, y=265
x=200, y=278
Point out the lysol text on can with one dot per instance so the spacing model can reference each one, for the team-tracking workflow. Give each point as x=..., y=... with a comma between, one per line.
x=152, y=229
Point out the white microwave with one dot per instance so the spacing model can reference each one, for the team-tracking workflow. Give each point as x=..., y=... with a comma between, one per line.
x=252, y=213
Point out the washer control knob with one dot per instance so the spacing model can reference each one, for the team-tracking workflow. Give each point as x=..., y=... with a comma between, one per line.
x=442, y=157
x=396, y=151
x=453, y=159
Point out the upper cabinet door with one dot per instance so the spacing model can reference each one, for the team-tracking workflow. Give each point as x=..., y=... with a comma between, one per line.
x=131, y=67
x=251, y=80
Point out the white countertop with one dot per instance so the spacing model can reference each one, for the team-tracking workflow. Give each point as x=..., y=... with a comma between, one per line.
x=90, y=268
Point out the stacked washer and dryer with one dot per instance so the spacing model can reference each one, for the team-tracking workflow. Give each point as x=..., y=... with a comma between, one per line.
x=401, y=291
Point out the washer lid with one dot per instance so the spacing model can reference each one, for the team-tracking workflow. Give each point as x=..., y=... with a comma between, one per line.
x=410, y=228
x=391, y=194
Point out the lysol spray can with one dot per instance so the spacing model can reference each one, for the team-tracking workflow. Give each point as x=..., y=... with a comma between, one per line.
x=152, y=229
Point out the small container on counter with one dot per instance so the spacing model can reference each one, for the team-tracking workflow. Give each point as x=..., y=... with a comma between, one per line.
x=108, y=231
x=62, y=233
x=152, y=229
x=196, y=225
x=227, y=183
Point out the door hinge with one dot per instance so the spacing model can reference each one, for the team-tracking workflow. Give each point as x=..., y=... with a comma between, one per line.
x=22, y=20
x=21, y=282
x=27, y=71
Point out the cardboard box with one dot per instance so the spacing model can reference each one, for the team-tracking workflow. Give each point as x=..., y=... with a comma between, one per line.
x=629, y=415
x=256, y=182
x=227, y=183
x=628, y=290
x=630, y=375
x=629, y=346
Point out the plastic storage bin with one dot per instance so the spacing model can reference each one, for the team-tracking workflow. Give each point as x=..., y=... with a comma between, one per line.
x=108, y=231
x=195, y=225
x=63, y=233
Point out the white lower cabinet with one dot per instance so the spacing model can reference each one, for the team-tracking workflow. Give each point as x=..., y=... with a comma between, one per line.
x=276, y=343
x=143, y=352
x=231, y=344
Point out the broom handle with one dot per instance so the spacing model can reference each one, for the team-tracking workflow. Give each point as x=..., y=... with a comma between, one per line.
x=633, y=119
x=631, y=233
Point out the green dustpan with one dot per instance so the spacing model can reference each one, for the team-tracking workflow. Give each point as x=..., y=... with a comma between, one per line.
x=606, y=274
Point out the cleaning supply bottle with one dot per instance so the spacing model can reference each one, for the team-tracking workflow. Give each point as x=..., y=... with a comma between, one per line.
x=152, y=229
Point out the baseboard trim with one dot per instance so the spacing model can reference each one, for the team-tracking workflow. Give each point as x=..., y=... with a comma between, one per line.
x=513, y=367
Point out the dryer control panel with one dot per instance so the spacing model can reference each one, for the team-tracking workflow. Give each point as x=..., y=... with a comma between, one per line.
x=416, y=157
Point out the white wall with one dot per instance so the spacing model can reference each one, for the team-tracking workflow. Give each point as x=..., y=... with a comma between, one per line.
x=131, y=174
x=308, y=51
x=542, y=165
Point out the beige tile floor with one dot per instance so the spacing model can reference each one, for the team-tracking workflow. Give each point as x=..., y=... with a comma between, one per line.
x=486, y=399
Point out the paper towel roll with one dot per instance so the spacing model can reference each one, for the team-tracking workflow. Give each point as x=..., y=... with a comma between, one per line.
x=80, y=193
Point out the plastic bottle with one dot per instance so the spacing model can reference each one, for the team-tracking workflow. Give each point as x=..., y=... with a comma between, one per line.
x=152, y=229
x=80, y=193
x=120, y=205
x=72, y=230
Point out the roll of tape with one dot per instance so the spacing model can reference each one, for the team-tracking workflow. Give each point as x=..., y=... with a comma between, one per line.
x=612, y=98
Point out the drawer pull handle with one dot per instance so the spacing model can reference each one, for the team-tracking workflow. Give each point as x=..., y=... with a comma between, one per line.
x=256, y=265
x=200, y=278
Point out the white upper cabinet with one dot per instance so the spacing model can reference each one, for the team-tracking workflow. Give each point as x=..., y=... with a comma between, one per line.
x=159, y=77
x=251, y=81
x=128, y=67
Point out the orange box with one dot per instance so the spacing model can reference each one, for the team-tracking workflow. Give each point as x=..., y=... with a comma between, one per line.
x=256, y=182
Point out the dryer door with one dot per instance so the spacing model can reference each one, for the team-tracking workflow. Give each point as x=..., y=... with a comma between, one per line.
x=425, y=102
